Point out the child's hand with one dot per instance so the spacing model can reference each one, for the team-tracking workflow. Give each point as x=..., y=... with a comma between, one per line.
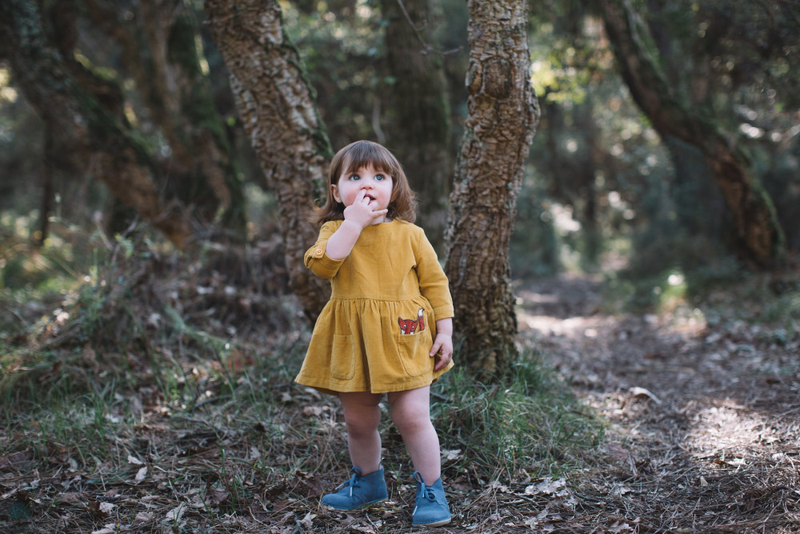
x=443, y=345
x=361, y=212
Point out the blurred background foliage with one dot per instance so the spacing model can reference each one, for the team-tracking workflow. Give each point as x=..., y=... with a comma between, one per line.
x=602, y=192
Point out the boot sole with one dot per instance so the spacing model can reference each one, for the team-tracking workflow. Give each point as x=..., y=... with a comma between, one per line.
x=360, y=507
x=441, y=523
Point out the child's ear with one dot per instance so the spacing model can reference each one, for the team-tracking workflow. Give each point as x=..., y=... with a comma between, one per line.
x=335, y=193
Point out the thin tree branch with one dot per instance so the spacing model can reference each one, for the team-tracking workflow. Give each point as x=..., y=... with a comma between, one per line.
x=411, y=22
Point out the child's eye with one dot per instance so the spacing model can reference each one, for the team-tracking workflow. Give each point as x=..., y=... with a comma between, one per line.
x=354, y=177
x=380, y=177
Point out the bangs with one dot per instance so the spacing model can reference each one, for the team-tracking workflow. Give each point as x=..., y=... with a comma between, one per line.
x=371, y=154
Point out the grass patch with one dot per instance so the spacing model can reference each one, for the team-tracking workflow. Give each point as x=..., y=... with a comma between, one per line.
x=195, y=448
x=531, y=423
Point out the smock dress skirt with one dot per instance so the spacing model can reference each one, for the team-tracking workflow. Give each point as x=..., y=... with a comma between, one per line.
x=376, y=332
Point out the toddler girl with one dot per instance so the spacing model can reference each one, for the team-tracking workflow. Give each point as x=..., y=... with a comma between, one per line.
x=386, y=329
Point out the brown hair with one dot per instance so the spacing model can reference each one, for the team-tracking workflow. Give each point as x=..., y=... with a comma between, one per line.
x=356, y=156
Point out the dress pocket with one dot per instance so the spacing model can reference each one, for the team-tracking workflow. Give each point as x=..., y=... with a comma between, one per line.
x=343, y=357
x=414, y=353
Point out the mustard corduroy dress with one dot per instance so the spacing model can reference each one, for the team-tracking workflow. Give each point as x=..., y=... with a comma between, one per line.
x=376, y=332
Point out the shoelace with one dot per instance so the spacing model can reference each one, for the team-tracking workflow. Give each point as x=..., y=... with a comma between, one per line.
x=426, y=490
x=429, y=494
x=353, y=482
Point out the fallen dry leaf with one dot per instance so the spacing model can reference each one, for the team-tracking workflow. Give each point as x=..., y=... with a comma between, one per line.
x=176, y=513
x=141, y=474
x=548, y=486
x=308, y=521
x=218, y=495
x=143, y=517
x=643, y=392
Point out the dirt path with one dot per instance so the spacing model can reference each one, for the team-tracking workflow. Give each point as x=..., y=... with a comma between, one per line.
x=704, y=413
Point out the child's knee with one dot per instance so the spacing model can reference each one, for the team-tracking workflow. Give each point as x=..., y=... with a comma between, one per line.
x=408, y=421
x=360, y=429
x=361, y=423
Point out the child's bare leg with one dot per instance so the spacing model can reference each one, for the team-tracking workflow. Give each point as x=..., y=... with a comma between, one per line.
x=362, y=417
x=411, y=414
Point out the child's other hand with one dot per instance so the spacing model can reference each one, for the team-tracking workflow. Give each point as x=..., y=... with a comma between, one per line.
x=361, y=212
x=443, y=345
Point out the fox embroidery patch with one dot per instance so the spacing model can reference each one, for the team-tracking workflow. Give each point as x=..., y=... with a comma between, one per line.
x=410, y=326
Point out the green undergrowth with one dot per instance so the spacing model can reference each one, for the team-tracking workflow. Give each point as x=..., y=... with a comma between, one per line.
x=242, y=412
x=66, y=403
x=232, y=436
x=531, y=423
x=148, y=377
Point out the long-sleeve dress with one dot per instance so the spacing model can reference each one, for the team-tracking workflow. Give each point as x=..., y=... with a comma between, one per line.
x=376, y=332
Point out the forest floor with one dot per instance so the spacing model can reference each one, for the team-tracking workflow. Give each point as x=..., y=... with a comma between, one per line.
x=702, y=435
x=704, y=413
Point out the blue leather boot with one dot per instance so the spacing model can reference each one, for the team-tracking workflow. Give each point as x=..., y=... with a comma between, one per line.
x=431, y=507
x=358, y=492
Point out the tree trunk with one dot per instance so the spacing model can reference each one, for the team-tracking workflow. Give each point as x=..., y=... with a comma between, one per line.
x=575, y=184
x=78, y=122
x=699, y=207
x=46, y=206
x=177, y=92
x=759, y=234
x=501, y=121
x=61, y=23
x=278, y=110
x=419, y=132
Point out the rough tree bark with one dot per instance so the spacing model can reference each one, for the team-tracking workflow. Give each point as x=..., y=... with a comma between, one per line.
x=501, y=121
x=92, y=137
x=277, y=107
x=759, y=234
x=419, y=133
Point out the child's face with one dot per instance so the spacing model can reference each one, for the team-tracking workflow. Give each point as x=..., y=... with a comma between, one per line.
x=377, y=186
